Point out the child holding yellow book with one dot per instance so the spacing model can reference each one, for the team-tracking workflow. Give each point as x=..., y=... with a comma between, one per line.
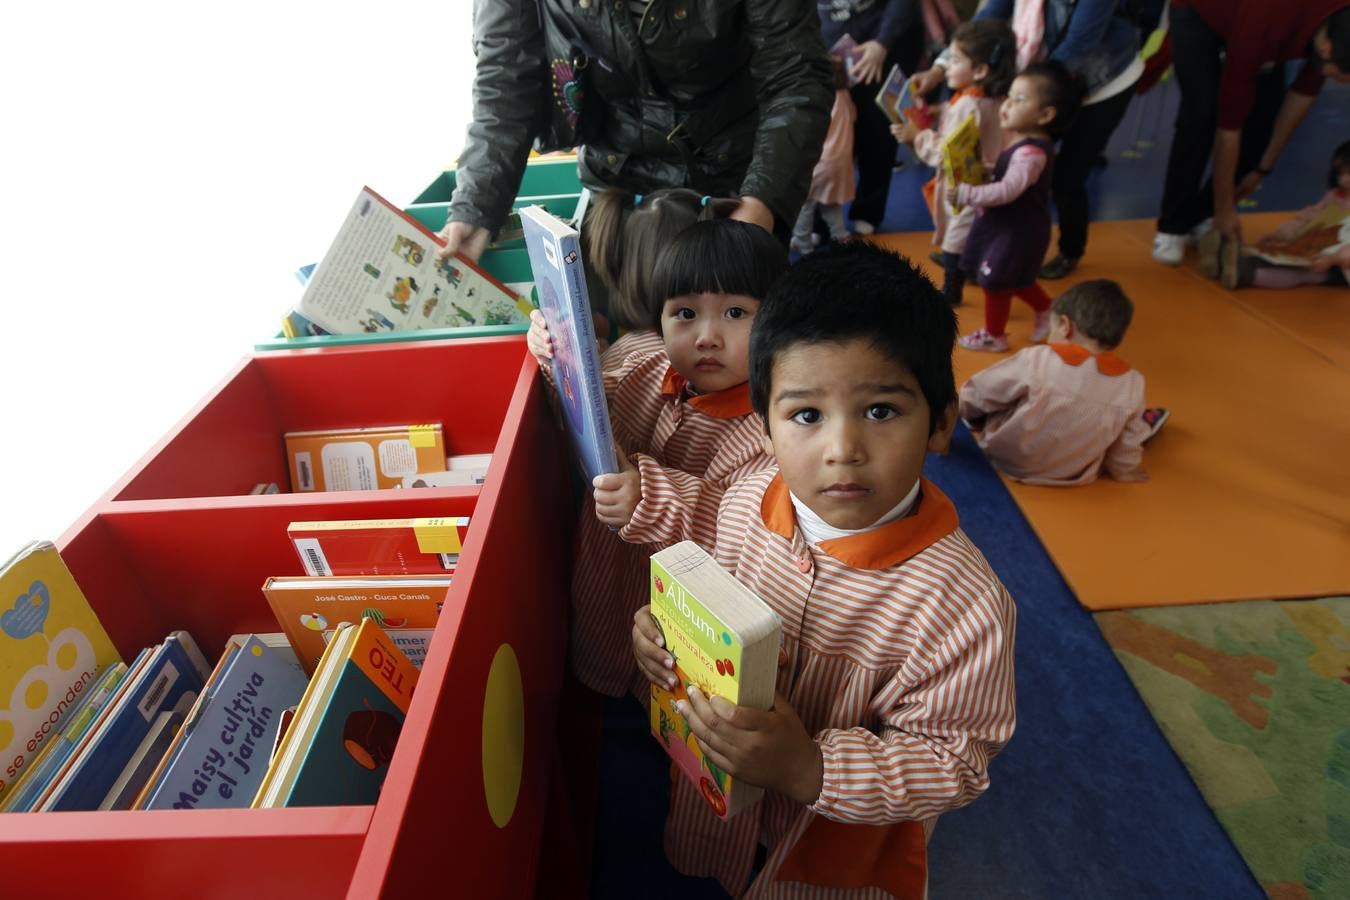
x=895, y=681
x=981, y=69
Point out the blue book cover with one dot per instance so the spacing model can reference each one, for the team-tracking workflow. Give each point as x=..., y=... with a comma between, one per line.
x=225, y=748
x=53, y=757
x=174, y=668
x=358, y=725
x=560, y=279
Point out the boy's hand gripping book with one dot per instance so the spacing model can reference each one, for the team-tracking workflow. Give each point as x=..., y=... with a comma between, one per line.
x=555, y=259
x=725, y=640
x=52, y=649
x=381, y=274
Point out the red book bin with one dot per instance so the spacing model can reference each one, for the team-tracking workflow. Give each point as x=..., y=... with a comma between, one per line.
x=179, y=543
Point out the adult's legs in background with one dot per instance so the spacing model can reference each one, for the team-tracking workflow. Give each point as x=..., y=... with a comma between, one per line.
x=1270, y=90
x=1195, y=53
x=1085, y=141
x=873, y=147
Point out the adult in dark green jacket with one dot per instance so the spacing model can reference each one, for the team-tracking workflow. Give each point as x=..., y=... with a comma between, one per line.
x=729, y=98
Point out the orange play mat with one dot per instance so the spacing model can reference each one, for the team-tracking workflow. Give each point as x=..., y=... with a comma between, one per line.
x=1250, y=489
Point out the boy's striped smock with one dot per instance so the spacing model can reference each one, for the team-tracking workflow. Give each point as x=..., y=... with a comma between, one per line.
x=898, y=657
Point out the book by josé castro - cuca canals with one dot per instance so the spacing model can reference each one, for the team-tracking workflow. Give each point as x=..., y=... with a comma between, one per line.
x=52, y=649
x=381, y=274
x=724, y=640
x=310, y=609
x=555, y=259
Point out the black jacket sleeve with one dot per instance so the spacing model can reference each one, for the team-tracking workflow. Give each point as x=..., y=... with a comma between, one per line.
x=508, y=98
x=794, y=82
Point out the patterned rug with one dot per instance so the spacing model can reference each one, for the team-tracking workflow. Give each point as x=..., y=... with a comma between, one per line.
x=1255, y=699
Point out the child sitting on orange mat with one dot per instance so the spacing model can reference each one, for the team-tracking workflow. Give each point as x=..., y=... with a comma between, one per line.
x=1320, y=232
x=895, y=685
x=1060, y=413
x=683, y=425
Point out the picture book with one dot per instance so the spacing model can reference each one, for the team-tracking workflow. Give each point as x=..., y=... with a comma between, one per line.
x=422, y=546
x=320, y=683
x=724, y=640
x=56, y=751
x=174, y=668
x=310, y=609
x=57, y=776
x=381, y=274
x=148, y=753
x=847, y=51
x=555, y=258
x=961, y=162
x=1322, y=234
x=460, y=471
x=900, y=101
x=363, y=459
x=52, y=649
x=232, y=645
x=343, y=736
x=223, y=755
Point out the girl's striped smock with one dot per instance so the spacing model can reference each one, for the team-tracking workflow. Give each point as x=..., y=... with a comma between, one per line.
x=689, y=449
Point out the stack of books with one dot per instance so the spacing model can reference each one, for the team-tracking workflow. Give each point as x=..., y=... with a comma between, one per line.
x=306, y=716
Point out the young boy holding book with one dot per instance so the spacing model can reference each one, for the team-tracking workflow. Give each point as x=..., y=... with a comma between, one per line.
x=895, y=685
x=1060, y=413
x=684, y=427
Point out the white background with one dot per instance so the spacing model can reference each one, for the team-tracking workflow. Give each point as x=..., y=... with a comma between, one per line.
x=168, y=166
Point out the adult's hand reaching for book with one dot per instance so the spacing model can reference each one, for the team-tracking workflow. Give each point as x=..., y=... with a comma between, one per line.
x=769, y=748
x=649, y=649
x=467, y=240
x=928, y=79
x=871, y=57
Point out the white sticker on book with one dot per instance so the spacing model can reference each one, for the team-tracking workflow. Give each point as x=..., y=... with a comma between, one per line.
x=149, y=705
x=304, y=466
x=311, y=553
x=398, y=458
x=349, y=466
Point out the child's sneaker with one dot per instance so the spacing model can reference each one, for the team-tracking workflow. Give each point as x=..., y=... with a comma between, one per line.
x=1154, y=417
x=1040, y=328
x=983, y=341
x=1169, y=248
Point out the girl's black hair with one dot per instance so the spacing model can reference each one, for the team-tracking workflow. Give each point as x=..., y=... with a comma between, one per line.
x=1059, y=88
x=1340, y=162
x=990, y=42
x=622, y=234
x=717, y=256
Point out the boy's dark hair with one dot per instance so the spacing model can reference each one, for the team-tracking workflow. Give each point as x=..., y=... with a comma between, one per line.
x=1340, y=162
x=990, y=42
x=1059, y=88
x=1338, y=32
x=1099, y=309
x=855, y=291
x=623, y=233
x=716, y=256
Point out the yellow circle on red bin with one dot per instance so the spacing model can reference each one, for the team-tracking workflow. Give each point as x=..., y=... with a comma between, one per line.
x=503, y=735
